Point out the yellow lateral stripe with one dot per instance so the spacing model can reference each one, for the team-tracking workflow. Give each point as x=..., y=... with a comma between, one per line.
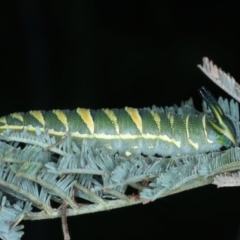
x=17, y=116
x=204, y=129
x=14, y=127
x=98, y=136
x=38, y=115
x=170, y=140
x=61, y=117
x=157, y=119
x=123, y=137
x=134, y=114
x=195, y=145
x=111, y=115
x=85, y=114
x=3, y=120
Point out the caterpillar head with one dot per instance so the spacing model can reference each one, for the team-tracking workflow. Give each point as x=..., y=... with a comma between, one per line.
x=222, y=124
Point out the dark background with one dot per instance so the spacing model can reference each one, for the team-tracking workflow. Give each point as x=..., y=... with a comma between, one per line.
x=98, y=54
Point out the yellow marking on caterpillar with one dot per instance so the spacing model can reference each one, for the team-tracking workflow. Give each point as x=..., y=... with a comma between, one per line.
x=157, y=119
x=195, y=145
x=56, y=133
x=14, y=127
x=17, y=116
x=3, y=120
x=120, y=136
x=171, y=140
x=224, y=131
x=135, y=147
x=134, y=114
x=204, y=129
x=111, y=115
x=29, y=129
x=128, y=153
x=38, y=115
x=217, y=111
x=61, y=117
x=171, y=119
x=100, y=136
x=85, y=114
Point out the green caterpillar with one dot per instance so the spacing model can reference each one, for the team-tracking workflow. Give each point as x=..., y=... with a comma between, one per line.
x=134, y=131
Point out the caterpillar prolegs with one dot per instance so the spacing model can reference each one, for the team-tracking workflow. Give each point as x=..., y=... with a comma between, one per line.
x=128, y=131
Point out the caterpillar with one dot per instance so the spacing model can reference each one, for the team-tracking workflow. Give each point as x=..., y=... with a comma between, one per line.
x=134, y=131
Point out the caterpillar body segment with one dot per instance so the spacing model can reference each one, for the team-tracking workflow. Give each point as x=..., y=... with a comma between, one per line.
x=222, y=124
x=134, y=131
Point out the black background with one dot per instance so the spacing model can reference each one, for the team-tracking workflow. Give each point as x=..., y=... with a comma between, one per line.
x=98, y=54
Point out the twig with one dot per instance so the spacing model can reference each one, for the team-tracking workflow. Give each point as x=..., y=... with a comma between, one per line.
x=64, y=222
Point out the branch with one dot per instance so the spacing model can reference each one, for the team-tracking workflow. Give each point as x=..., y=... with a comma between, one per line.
x=219, y=77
